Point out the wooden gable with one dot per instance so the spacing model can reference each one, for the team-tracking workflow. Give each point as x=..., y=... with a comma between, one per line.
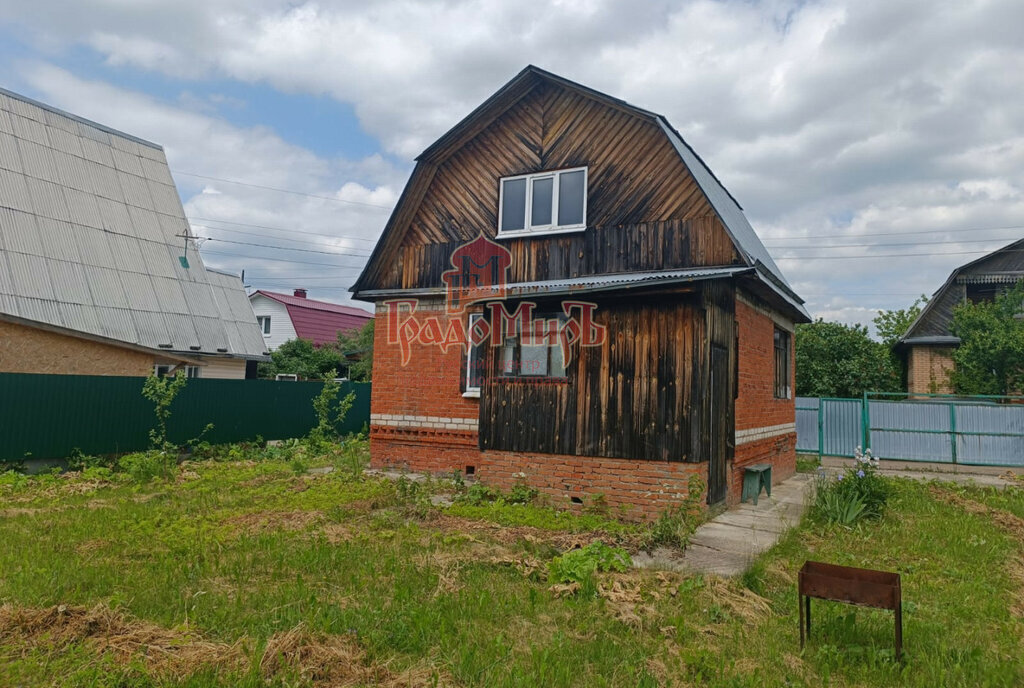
x=645, y=210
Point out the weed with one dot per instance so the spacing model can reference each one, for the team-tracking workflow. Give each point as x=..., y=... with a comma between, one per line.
x=859, y=492
x=143, y=467
x=579, y=565
x=324, y=434
x=521, y=493
x=676, y=524
x=79, y=461
x=478, y=494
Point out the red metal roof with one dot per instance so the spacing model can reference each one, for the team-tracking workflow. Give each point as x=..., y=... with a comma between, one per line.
x=319, y=320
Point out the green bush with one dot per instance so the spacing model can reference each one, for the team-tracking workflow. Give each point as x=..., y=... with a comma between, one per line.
x=143, y=467
x=478, y=494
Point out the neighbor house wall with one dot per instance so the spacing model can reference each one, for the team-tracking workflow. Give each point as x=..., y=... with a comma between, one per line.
x=281, y=328
x=25, y=349
x=928, y=370
x=222, y=368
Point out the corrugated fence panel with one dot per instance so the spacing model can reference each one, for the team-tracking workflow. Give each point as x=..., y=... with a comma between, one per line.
x=48, y=416
x=940, y=430
x=842, y=426
x=912, y=431
x=807, y=424
x=1000, y=434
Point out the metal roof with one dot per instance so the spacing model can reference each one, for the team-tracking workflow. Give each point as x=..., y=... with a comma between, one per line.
x=319, y=321
x=91, y=229
x=594, y=283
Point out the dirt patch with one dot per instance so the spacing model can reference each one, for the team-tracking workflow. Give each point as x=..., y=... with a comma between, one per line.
x=321, y=659
x=512, y=535
x=267, y=521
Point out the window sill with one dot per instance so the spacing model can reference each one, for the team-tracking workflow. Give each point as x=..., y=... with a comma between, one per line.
x=471, y=394
x=526, y=233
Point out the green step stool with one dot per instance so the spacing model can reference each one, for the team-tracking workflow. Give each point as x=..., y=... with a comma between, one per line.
x=754, y=478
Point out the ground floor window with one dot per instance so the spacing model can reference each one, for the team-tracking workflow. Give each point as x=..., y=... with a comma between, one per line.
x=782, y=346
x=165, y=370
x=537, y=355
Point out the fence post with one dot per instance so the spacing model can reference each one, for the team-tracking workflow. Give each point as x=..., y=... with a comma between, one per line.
x=865, y=421
x=952, y=430
x=821, y=428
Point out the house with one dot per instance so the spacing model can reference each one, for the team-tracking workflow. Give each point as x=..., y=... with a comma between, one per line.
x=929, y=342
x=566, y=295
x=283, y=317
x=98, y=274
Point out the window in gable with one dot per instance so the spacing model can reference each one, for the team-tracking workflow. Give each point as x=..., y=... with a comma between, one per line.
x=543, y=203
x=264, y=323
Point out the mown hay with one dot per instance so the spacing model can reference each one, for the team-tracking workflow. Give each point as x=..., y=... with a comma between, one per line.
x=321, y=659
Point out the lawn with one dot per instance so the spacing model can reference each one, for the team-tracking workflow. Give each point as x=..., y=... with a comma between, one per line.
x=252, y=571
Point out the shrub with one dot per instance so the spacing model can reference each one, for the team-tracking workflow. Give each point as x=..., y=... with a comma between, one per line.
x=858, y=492
x=142, y=467
x=521, y=493
x=78, y=461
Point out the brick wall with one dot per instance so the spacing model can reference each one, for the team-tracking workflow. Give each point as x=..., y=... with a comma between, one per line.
x=421, y=422
x=928, y=370
x=26, y=349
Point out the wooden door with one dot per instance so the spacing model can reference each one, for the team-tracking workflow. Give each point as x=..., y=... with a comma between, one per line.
x=718, y=412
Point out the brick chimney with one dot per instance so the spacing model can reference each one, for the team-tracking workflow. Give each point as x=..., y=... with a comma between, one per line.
x=300, y=293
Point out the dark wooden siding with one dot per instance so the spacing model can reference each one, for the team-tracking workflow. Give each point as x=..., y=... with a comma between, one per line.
x=642, y=395
x=644, y=209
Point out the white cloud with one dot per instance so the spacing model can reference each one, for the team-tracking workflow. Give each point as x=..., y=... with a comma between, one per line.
x=867, y=119
x=196, y=141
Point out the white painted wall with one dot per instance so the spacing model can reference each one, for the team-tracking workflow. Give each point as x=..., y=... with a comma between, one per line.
x=281, y=328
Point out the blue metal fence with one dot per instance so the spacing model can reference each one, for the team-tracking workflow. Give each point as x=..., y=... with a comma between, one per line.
x=934, y=428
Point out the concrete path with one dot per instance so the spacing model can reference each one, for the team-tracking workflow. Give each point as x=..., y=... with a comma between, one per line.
x=727, y=544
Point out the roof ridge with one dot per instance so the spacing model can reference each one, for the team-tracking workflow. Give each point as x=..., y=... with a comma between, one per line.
x=81, y=120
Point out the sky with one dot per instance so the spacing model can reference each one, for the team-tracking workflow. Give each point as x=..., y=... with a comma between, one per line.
x=874, y=145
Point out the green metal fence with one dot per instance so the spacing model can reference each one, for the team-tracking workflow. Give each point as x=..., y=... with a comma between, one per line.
x=48, y=416
x=938, y=428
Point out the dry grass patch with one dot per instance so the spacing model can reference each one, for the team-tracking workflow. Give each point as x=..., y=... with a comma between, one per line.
x=318, y=658
x=257, y=522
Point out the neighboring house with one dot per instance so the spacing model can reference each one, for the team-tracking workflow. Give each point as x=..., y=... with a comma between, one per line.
x=664, y=330
x=96, y=274
x=283, y=317
x=929, y=342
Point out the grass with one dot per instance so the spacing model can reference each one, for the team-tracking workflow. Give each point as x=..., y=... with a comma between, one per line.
x=251, y=573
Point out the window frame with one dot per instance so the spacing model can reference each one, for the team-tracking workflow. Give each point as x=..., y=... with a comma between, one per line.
x=264, y=322
x=472, y=352
x=191, y=371
x=782, y=388
x=517, y=340
x=553, y=227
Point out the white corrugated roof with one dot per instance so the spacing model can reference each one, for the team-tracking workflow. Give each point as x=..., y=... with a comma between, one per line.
x=89, y=240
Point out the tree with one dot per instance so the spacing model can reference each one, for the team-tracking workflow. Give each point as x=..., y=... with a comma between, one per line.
x=990, y=358
x=357, y=347
x=837, y=360
x=300, y=357
x=892, y=325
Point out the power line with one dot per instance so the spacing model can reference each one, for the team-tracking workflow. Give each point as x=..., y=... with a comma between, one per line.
x=275, y=260
x=281, y=229
x=889, y=255
x=885, y=245
x=275, y=188
x=258, y=234
x=923, y=231
x=284, y=248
